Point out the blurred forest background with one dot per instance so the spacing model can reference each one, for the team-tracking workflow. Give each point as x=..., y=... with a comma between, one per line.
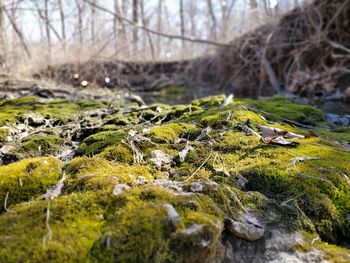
x=37, y=33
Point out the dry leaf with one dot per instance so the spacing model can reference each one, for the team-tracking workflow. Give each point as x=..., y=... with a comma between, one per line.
x=272, y=132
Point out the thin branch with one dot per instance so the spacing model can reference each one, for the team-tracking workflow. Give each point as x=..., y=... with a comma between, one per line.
x=154, y=32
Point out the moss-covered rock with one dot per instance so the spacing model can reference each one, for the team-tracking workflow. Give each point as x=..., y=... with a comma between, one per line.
x=96, y=143
x=40, y=144
x=74, y=225
x=141, y=212
x=92, y=174
x=168, y=133
x=117, y=206
x=27, y=179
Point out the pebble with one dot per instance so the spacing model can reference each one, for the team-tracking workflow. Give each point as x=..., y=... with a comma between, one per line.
x=120, y=188
x=172, y=215
x=249, y=229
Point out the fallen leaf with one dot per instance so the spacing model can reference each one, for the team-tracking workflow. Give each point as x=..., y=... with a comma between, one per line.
x=271, y=132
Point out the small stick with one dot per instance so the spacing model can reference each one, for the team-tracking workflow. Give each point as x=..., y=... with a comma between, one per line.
x=48, y=235
x=205, y=161
x=5, y=204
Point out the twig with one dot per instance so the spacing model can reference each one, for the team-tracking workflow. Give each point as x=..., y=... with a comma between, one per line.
x=196, y=171
x=5, y=204
x=48, y=235
x=281, y=118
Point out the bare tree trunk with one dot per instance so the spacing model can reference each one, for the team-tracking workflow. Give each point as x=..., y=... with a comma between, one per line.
x=47, y=28
x=145, y=24
x=93, y=19
x=119, y=27
x=182, y=26
x=18, y=32
x=213, y=20
x=80, y=21
x=254, y=12
x=63, y=23
x=159, y=26
x=135, y=19
x=226, y=11
x=2, y=26
x=2, y=37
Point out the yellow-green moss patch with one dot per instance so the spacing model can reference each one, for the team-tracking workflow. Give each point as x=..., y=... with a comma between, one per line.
x=27, y=179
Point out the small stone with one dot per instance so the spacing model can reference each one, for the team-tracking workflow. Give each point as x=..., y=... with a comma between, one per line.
x=84, y=83
x=172, y=215
x=21, y=127
x=245, y=231
x=159, y=158
x=120, y=188
x=193, y=229
x=198, y=233
x=166, y=174
x=141, y=180
x=173, y=185
x=322, y=170
x=199, y=187
x=6, y=149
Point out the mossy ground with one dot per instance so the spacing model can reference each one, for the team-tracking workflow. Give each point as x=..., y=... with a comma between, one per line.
x=89, y=224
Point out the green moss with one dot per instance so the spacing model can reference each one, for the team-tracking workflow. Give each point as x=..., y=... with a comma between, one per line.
x=61, y=111
x=118, y=153
x=208, y=102
x=27, y=179
x=92, y=174
x=142, y=214
x=40, y=144
x=120, y=120
x=109, y=127
x=285, y=108
x=98, y=226
x=4, y=132
x=173, y=131
x=75, y=222
x=96, y=143
x=237, y=141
